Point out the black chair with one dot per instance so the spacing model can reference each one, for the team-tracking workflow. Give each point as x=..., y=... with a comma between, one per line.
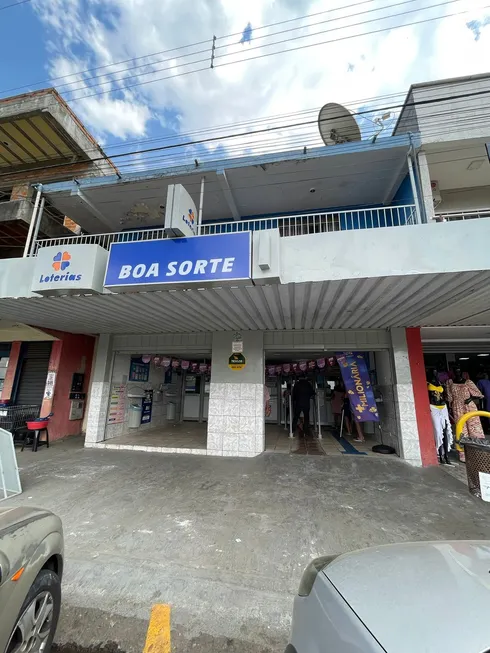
x=35, y=434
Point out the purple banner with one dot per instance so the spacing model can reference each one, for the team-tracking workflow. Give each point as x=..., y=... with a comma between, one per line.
x=357, y=383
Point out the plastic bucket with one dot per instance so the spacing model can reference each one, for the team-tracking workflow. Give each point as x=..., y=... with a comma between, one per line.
x=35, y=426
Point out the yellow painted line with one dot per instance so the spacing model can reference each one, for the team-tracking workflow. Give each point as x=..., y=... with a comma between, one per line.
x=158, y=634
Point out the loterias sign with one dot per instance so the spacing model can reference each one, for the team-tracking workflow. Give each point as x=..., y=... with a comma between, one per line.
x=204, y=260
x=69, y=269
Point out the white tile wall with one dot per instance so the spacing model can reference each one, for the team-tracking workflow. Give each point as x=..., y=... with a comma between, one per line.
x=97, y=415
x=404, y=400
x=236, y=419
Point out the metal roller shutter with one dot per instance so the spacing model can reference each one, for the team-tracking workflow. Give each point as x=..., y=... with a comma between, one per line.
x=33, y=373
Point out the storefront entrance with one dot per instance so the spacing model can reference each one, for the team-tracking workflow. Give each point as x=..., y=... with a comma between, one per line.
x=332, y=426
x=159, y=402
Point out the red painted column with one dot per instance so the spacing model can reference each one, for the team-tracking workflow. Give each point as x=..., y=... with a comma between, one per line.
x=8, y=383
x=421, y=398
x=54, y=364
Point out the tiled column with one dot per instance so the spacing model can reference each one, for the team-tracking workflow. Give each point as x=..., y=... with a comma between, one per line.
x=421, y=398
x=411, y=399
x=99, y=391
x=404, y=400
x=236, y=400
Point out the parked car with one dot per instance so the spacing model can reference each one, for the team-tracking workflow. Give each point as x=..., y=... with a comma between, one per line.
x=31, y=568
x=399, y=598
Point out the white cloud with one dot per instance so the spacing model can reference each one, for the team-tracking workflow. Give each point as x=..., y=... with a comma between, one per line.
x=380, y=63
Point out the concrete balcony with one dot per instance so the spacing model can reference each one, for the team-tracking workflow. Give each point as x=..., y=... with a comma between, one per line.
x=15, y=218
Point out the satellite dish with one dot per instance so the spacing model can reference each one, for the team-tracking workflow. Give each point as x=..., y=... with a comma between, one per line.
x=337, y=125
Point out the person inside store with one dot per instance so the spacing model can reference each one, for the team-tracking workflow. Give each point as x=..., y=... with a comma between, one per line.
x=443, y=434
x=484, y=386
x=267, y=401
x=302, y=394
x=461, y=394
x=285, y=397
x=349, y=419
x=337, y=402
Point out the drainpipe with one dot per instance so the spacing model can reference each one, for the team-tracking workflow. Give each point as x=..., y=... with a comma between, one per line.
x=32, y=223
x=414, y=184
x=36, y=229
x=201, y=201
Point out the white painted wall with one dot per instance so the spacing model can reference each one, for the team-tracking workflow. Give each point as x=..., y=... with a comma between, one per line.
x=16, y=275
x=390, y=251
x=253, y=350
x=329, y=339
x=465, y=199
x=165, y=343
x=453, y=119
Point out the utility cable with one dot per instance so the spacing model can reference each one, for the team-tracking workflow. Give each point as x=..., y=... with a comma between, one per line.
x=172, y=59
x=435, y=92
x=267, y=129
x=14, y=4
x=269, y=54
x=154, y=54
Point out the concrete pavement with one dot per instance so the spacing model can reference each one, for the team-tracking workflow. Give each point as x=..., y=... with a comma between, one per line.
x=223, y=540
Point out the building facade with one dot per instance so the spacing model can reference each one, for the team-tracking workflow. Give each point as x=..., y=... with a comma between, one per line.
x=41, y=141
x=295, y=260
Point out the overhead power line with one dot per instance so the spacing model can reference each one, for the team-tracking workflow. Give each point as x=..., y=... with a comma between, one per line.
x=269, y=54
x=264, y=130
x=182, y=47
x=372, y=101
x=14, y=4
x=120, y=88
x=219, y=47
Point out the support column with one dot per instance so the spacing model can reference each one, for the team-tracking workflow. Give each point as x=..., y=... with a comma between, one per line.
x=426, y=188
x=22, y=191
x=387, y=409
x=99, y=391
x=8, y=384
x=422, y=409
x=53, y=366
x=412, y=403
x=236, y=400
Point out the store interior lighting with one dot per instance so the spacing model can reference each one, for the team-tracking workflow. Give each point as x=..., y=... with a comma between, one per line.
x=482, y=355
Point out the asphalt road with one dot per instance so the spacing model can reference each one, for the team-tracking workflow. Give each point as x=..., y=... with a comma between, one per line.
x=224, y=541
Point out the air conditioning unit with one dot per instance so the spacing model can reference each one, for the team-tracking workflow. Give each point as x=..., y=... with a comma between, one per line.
x=436, y=193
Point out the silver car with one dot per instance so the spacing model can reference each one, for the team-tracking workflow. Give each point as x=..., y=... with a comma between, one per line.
x=427, y=597
x=31, y=568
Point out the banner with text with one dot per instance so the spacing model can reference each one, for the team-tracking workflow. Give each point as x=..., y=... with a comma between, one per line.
x=355, y=375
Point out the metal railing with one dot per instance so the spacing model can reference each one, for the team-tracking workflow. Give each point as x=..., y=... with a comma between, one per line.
x=290, y=225
x=103, y=240
x=452, y=216
x=318, y=223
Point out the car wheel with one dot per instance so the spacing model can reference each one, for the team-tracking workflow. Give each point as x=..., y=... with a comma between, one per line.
x=36, y=624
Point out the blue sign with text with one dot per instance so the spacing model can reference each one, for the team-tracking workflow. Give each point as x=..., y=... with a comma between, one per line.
x=224, y=257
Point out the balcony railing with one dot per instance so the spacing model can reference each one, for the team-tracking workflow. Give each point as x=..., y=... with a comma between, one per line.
x=451, y=216
x=291, y=225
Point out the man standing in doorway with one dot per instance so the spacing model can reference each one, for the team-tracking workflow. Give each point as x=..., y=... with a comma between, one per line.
x=302, y=394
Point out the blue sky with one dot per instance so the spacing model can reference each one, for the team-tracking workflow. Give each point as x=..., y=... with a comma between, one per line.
x=49, y=38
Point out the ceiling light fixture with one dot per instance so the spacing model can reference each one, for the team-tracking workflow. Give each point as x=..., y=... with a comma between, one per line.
x=476, y=164
x=481, y=355
x=464, y=358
